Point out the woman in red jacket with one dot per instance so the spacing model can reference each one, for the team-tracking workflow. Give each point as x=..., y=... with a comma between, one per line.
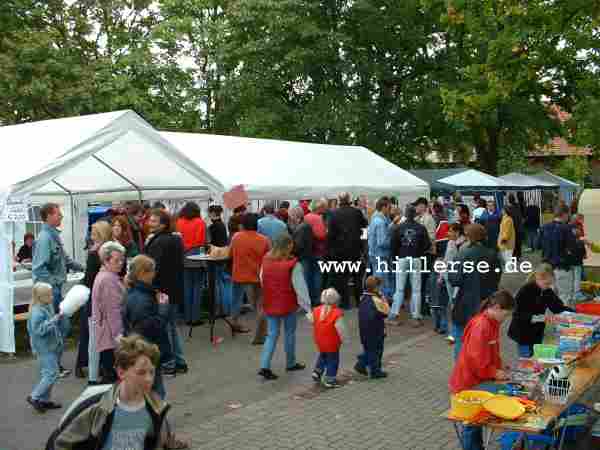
x=479, y=361
x=283, y=288
x=193, y=233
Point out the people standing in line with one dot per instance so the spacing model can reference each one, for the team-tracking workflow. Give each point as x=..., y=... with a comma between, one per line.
x=328, y=331
x=344, y=244
x=517, y=217
x=46, y=331
x=218, y=237
x=507, y=237
x=87, y=356
x=166, y=249
x=50, y=261
x=269, y=225
x=284, y=291
x=146, y=312
x=107, y=300
x=247, y=250
x=125, y=412
x=372, y=312
x=479, y=365
x=409, y=244
x=529, y=318
x=192, y=228
x=456, y=239
x=121, y=232
x=558, y=248
x=532, y=225
x=25, y=253
x=378, y=238
x=491, y=219
x=319, y=252
x=474, y=286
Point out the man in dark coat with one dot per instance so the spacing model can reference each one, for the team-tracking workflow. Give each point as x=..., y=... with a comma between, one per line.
x=476, y=272
x=166, y=248
x=344, y=244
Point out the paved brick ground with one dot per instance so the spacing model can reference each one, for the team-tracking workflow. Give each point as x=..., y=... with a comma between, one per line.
x=222, y=404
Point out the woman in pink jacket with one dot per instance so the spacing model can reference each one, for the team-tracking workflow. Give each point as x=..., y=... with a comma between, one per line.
x=107, y=297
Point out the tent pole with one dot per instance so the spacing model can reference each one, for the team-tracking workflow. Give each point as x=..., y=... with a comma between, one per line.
x=72, y=225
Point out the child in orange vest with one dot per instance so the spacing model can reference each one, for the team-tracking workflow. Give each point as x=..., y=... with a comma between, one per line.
x=329, y=334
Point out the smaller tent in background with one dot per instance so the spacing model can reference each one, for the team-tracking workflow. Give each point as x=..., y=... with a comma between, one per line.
x=568, y=190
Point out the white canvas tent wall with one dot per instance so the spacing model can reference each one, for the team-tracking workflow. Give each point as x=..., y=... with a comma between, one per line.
x=531, y=186
x=110, y=156
x=284, y=170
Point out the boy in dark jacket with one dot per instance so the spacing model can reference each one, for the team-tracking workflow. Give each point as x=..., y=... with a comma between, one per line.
x=372, y=311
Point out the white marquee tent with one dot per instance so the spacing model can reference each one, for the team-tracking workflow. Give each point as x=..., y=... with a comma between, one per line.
x=284, y=170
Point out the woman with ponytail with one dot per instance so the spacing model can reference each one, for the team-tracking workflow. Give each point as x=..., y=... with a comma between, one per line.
x=528, y=322
x=479, y=362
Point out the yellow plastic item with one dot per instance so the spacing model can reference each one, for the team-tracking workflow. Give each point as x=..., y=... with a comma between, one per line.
x=505, y=407
x=468, y=404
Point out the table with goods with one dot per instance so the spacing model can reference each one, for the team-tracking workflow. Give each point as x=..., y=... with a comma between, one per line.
x=537, y=407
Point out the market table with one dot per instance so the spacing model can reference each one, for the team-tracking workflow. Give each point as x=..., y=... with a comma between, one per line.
x=210, y=264
x=584, y=375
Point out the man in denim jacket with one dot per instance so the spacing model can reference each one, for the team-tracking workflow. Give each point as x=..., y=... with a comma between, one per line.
x=50, y=262
x=378, y=235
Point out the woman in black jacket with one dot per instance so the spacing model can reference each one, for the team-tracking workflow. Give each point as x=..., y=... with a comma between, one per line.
x=146, y=311
x=532, y=300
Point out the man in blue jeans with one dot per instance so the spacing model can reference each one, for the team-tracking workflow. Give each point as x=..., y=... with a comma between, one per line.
x=378, y=237
x=50, y=261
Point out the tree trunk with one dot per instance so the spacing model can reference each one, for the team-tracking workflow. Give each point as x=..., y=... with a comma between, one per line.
x=487, y=153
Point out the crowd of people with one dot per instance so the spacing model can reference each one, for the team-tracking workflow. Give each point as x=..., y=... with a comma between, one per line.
x=140, y=286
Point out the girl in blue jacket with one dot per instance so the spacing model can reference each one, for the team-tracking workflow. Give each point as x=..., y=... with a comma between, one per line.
x=46, y=330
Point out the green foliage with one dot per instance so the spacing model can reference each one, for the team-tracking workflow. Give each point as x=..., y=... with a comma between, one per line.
x=404, y=78
x=574, y=168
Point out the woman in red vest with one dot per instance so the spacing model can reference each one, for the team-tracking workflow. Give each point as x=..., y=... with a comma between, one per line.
x=283, y=287
x=328, y=333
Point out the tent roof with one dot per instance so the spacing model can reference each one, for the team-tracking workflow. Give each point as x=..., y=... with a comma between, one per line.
x=562, y=182
x=115, y=153
x=463, y=179
x=528, y=182
x=272, y=169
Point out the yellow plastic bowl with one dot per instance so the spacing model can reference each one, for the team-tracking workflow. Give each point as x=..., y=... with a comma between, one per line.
x=505, y=407
x=467, y=404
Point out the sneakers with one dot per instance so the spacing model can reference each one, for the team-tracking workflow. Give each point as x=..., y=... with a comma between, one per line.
x=316, y=376
x=267, y=374
x=63, y=373
x=331, y=384
x=50, y=405
x=297, y=366
x=37, y=405
x=360, y=369
x=182, y=369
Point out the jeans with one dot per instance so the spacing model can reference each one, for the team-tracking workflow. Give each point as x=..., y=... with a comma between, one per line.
x=223, y=287
x=177, y=358
x=565, y=285
x=525, y=351
x=56, y=299
x=48, y=367
x=532, y=238
x=193, y=282
x=402, y=267
x=159, y=386
x=371, y=357
x=93, y=355
x=440, y=318
x=577, y=278
x=312, y=275
x=254, y=293
x=289, y=327
x=386, y=274
x=457, y=334
x=328, y=363
x=452, y=291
